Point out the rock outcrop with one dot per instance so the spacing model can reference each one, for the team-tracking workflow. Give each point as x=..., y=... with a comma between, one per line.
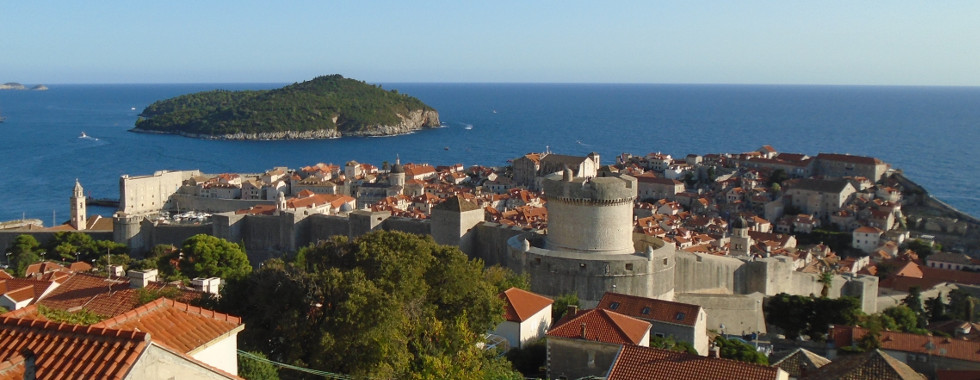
x=416, y=120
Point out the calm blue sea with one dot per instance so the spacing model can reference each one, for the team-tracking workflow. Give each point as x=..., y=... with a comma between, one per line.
x=931, y=133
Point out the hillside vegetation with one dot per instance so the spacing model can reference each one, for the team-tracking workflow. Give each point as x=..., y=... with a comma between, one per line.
x=326, y=103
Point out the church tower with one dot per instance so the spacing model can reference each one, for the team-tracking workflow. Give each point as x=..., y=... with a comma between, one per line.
x=397, y=175
x=78, y=217
x=741, y=242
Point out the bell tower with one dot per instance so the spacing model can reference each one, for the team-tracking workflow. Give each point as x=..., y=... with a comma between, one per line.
x=78, y=217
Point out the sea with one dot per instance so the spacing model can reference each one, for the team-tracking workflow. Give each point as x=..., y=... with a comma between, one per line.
x=930, y=133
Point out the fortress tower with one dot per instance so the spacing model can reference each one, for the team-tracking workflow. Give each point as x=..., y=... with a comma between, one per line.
x=588, y=249
x=591, y=215
x=78, y=217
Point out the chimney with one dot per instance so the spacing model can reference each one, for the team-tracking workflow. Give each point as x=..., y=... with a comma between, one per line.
x=583, y=332
x=30, y=365
x=571, y=310
x=139, y=279
x=713, y=352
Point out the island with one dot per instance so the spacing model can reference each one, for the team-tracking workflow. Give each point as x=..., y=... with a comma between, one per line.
x=19, y=86
x=325, y=107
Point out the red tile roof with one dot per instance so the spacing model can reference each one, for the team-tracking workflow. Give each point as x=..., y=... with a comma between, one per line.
x=15, y=288
x=658, y=310
x=14, y=368
x=601, y=325
x=101, y=295
x=177, y=325
x=5, y=275
x=522, y=304
x=72, y=351
x=635, y=362
x=845, y=336
x=875, y=365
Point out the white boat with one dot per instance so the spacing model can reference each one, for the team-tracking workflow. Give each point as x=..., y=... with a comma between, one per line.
x=83, y=135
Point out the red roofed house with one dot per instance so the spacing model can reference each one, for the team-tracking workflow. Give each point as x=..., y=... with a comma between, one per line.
x=202, y=334
x=924, y=353
x=48, y=350
x=634, y=362
x=585, y=343
x=866, y=238
x=527, y=316
x=684, y=322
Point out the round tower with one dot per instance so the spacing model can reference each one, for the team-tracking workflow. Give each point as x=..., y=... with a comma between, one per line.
x=78, y=217
x=591, y=215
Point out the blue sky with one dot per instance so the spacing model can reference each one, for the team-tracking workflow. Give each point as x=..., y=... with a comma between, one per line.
x=764, y=42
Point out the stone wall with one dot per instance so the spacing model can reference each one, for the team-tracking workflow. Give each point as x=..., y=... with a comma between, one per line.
x=740, y=313
x=696, y=272
x=213, y=205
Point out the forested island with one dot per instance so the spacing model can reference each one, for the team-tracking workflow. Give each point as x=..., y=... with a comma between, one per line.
x=324, y=107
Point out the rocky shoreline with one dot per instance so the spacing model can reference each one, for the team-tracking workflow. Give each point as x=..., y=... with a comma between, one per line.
x=414, y=121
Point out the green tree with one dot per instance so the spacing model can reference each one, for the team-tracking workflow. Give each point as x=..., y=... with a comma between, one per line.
x=209, y=256
x=826, y=279
x=395, y=305
x=252, y=366
x=777, y=177
x=23, y=252
x=905, y=319
x=962, y=306
x=669, y=343
x=920, y=247
x=799, y=315
x=914, y=302
x=529, y=359
x=741, y=351
x=936, y=308
x=561, y=305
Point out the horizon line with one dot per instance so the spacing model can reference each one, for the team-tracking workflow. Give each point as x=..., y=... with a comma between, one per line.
x=512, y=83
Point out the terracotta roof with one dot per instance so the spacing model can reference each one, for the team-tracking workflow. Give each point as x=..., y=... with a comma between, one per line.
x=15, y=288
x=100, y=295
x=522, y=304
x=42, y=267
x=14, y=368
x=183, y=327
x=635, y=362
x=849, y=158
x=844, y=336
x=650, y=309
x=872, y=365
x=800, y=361
x=5, y=275
x=601, y=325
x=72, y=351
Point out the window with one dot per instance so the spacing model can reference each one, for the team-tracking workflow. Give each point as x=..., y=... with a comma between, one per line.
x=537, y=260
x=629, y=266
x=614, y=306
x=646, y=310
x=680, y=316
x=659, y=335
x=665, y=261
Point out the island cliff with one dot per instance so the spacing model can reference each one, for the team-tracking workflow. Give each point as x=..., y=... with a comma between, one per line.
x=325, y=107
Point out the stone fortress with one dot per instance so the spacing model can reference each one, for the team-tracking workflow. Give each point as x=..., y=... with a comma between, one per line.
x=589, y=247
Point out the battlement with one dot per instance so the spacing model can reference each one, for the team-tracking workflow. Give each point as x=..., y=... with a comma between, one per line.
x=613, y=189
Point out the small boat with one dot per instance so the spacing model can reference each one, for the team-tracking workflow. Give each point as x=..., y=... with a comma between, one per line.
x=83, y=135
x=132, y=108
x=445, y=148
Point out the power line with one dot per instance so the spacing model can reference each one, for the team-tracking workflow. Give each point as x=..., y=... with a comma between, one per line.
x=328, y=375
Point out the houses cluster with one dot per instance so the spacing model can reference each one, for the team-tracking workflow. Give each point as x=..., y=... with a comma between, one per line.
x=619, y=339
x=135, y=335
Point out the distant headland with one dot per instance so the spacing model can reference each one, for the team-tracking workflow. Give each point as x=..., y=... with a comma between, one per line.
x=18, y=86
x=324, y=107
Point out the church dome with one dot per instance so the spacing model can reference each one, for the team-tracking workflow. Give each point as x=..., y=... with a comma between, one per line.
x=397, y=168
x=740, y=222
